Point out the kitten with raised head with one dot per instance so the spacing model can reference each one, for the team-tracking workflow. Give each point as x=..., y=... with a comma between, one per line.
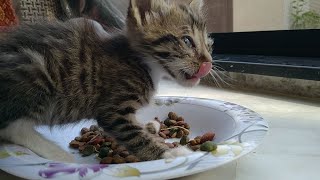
x=60, y=73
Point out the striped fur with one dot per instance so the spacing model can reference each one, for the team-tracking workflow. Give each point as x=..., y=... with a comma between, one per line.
x=63, y=72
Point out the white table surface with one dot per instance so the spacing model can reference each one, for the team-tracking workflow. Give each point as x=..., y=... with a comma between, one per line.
x=291, y=151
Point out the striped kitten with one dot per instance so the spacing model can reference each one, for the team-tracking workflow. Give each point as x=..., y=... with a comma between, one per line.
x=55, y=74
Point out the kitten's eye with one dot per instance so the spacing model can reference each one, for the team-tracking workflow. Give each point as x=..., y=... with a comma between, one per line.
x=188, y=41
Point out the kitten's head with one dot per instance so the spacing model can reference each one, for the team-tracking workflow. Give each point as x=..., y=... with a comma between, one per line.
x=174, y=35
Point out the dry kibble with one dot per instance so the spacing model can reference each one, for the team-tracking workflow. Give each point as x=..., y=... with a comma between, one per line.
x=195, y=147
x=180, y=119
x=172, y=115
x=94, y=140
x=97, y=147
x=163, y=126
x=132, y=158
x=118, y=159
x=207, y=137
x=186, y=132
x=124, y=154
x=184, y=140
x=174, y=135
x=162, y=135
x=187, y=126
x=106, y=160
x=86, y=137
x=88, y=150
x=94, y=128
x=81, y=148
x=84, y=130
x=172, y=122
x=166, y=132
x=180, y=123
x=173, y=130
x=114, y=145
x=167, y=122
x=180, y=133
x=74, y=144
x=120, y=149
x=193, y=142
x=92, y=136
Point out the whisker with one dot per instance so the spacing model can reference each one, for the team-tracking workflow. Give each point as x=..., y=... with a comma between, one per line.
x=219, y=67
x=224, y=75
x=215, y=80
x=221, y=79
x=221, y=70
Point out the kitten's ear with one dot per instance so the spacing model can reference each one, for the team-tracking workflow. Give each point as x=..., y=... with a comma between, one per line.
x=140, y=9
x=196, y=5
x=137, y=10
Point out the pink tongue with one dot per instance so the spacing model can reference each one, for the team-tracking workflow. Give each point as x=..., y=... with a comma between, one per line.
x=204, y=69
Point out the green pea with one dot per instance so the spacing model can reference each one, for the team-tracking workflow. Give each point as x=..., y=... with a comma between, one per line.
x=208, y=146
x=104, y=152
x=88, y=150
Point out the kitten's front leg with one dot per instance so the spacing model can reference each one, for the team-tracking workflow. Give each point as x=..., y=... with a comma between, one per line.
x=22, y=132
x=124, y=127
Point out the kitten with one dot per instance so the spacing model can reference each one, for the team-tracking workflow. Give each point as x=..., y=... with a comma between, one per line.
x=55, y=74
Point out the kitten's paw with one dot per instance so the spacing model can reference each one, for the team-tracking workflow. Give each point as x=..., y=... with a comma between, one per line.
x=153, y=127
x=176, y=152
x=67, y=159
x=22, y=132
x=59, y=155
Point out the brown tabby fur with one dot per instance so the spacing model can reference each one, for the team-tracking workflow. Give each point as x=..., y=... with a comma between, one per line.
x=61, y=73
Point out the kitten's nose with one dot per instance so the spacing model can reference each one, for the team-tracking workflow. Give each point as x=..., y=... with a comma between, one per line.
x=206, y=57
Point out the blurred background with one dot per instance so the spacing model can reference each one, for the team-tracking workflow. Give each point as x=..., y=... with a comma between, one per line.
x=223, y=15
x=262, y=15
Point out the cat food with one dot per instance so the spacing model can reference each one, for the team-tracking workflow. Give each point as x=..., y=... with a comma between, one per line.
x=207, y=137
x=93, y=140
x=208, y=146
x=184, y=140
x=173, y=127
x=196, y=143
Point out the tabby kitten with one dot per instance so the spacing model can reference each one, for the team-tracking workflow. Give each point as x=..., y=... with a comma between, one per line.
x=55, y=74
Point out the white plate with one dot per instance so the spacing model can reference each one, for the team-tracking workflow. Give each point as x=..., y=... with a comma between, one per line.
x=238, y=131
